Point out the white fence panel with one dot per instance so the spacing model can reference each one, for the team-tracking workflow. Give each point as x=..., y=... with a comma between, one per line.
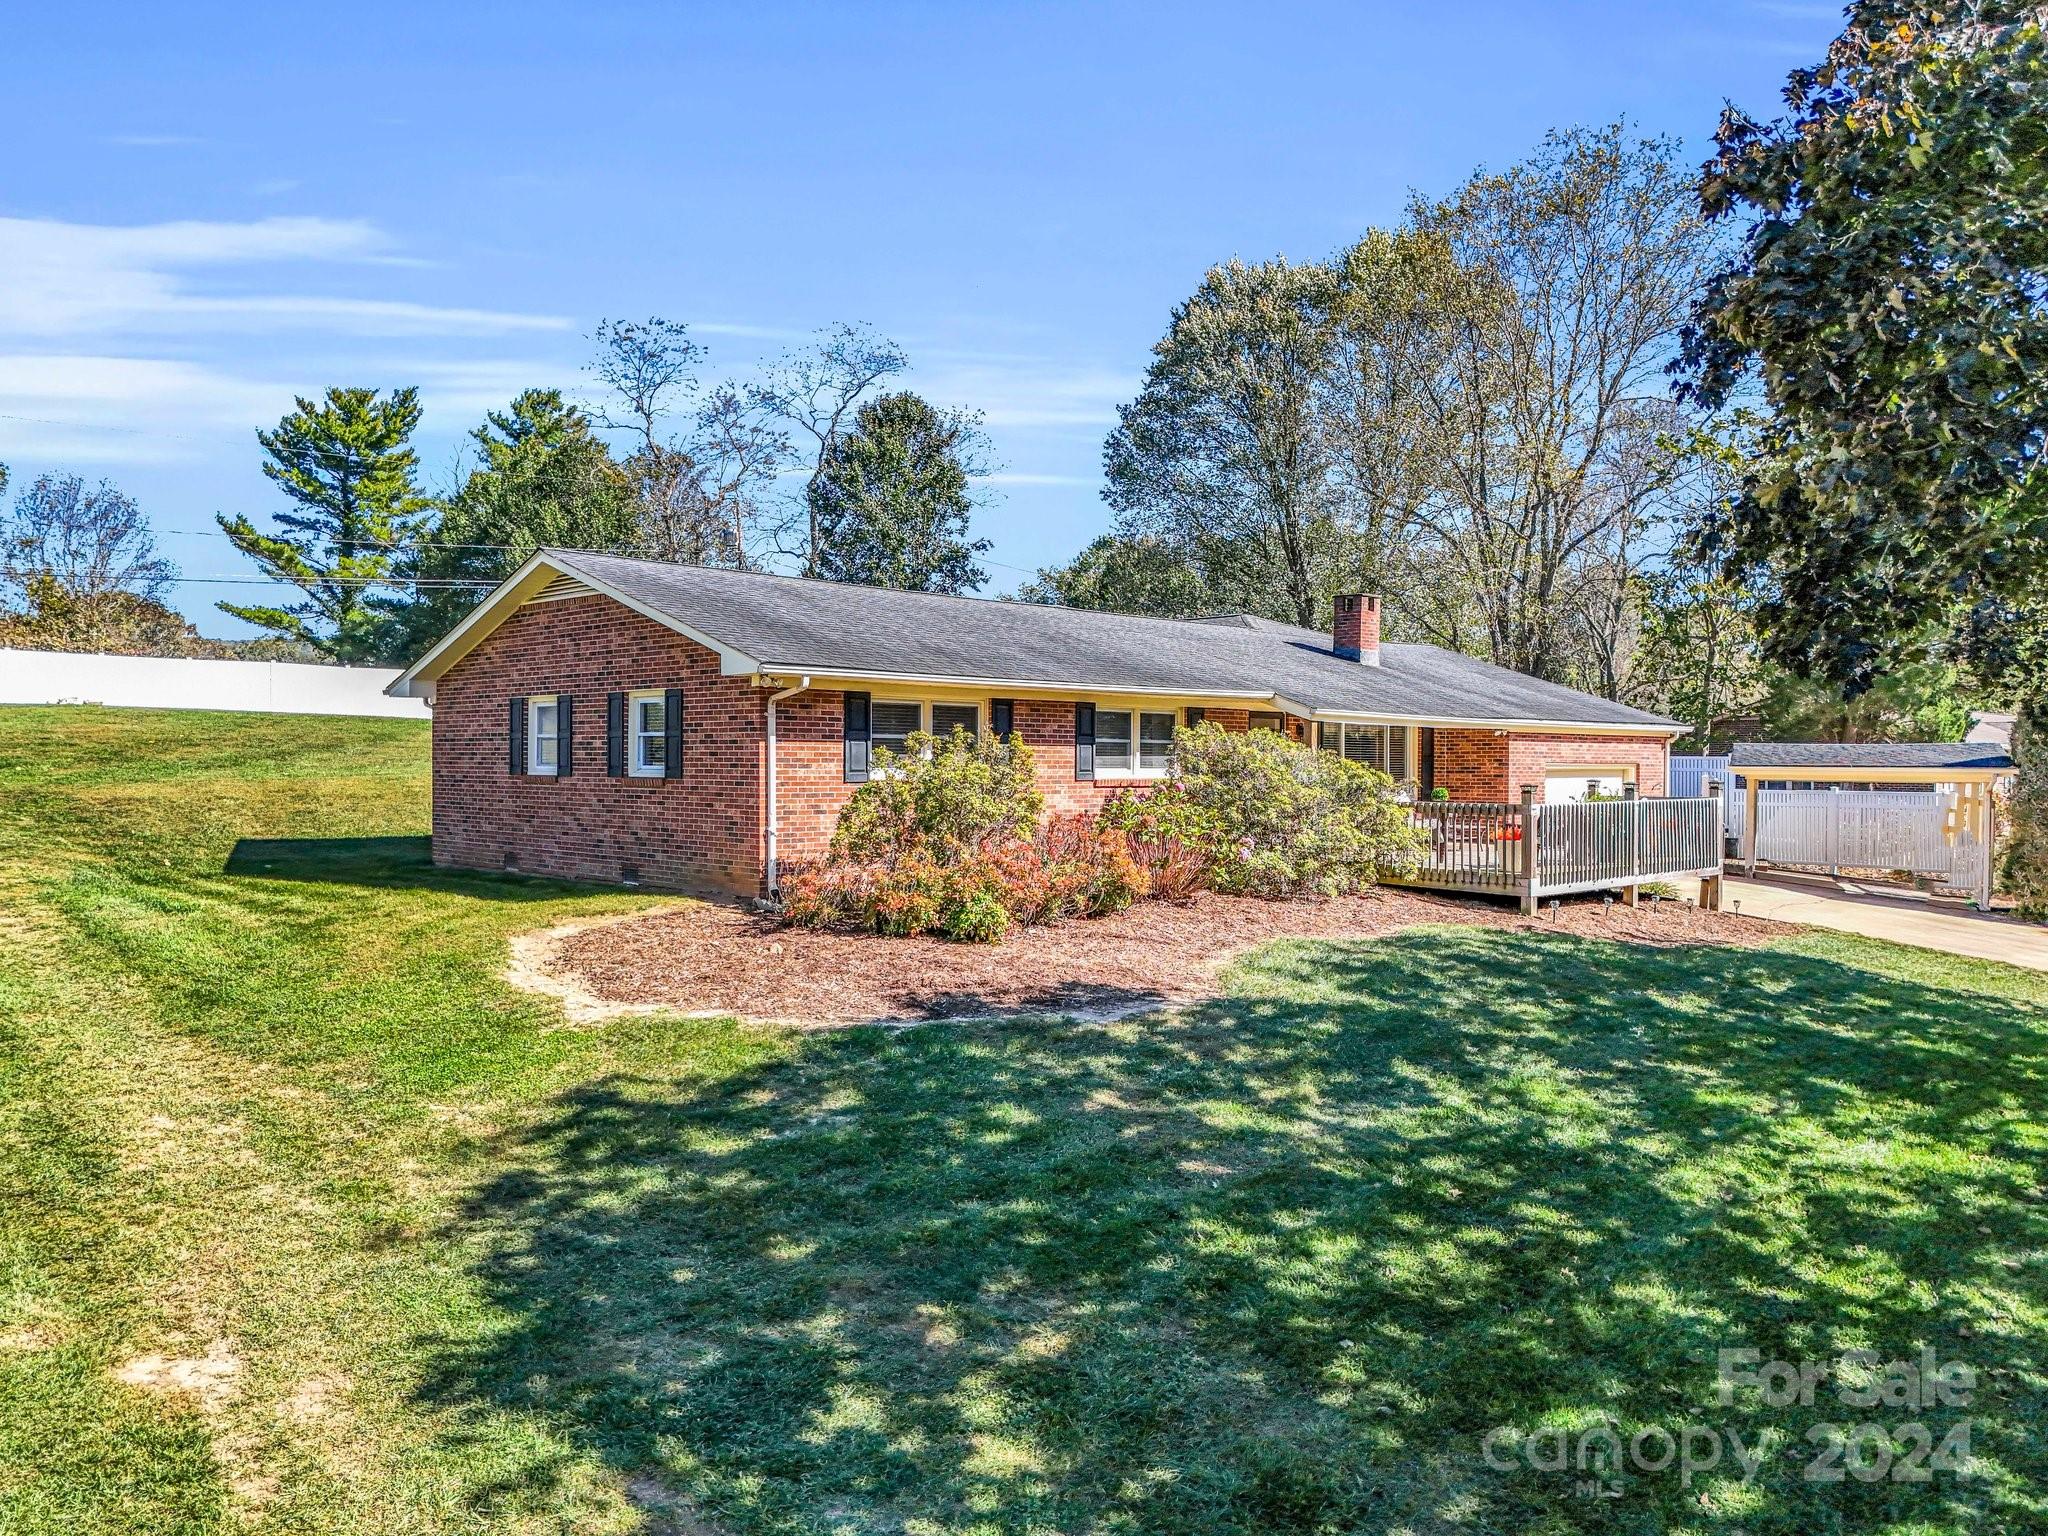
x=1689, y=775
x=177, y=682
x=1855, y=829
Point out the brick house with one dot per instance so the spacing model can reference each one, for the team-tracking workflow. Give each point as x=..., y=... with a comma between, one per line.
x=607, y=719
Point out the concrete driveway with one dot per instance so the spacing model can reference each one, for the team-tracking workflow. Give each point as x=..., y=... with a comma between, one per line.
x=1887, y=912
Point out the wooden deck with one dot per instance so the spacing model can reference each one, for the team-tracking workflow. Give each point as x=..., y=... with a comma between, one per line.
x=1530, y=851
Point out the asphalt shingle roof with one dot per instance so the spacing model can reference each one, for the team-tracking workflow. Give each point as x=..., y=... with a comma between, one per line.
x=1867, y=754
x=788, y=624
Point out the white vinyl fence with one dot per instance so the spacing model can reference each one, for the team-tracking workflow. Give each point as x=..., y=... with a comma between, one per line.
x=1855, y=829
x=1691, y=775
x=176, y=682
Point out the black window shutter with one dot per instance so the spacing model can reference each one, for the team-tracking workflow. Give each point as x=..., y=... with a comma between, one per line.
x=565, y=736
x=515, y=737
x=672, y=733
x=853, y=731
x=1084, y=741
x=1427, y=776
x=1195, y=715
x=615, y=734
x=1002, y=717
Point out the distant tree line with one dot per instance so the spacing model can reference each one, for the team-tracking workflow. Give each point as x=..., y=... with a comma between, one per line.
x=817, y=469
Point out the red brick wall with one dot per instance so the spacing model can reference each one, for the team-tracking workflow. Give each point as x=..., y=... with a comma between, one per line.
x=1531, y=756
x=810, y=781
x=1473, y=765
x=702, y=830
x=1479, y=765
x=707, y=829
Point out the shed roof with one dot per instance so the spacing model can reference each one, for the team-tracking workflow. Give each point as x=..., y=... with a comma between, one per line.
x=1929, y=755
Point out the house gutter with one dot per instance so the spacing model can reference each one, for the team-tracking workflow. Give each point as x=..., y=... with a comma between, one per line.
x=774, y=757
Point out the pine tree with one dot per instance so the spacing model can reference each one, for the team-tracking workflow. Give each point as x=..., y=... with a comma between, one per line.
x=892, y=499
x=348, y=466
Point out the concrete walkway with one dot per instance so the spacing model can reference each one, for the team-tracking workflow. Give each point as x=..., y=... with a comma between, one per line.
x=1888, y=912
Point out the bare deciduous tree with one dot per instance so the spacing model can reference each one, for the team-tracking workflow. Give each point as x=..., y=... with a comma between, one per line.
x=814, y=394
x=701, y=491
x=1598, y=251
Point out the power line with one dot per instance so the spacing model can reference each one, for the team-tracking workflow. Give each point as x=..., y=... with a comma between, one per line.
x=434, y=583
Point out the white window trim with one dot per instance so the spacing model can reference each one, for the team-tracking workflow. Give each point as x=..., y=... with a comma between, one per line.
x=635, y=768
x=534, y=736
x=1137, y=769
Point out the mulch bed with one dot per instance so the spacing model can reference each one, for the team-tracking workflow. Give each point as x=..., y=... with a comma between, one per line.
x=728, y=960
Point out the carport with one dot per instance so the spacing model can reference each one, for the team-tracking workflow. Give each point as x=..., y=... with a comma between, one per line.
x=1957, y=831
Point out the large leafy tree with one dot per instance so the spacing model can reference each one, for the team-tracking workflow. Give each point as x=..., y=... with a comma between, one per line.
x=543, y=477
x=1537, y=385
x=1117, y=574
x=1887, y=301
x=347, y=465
x=1222, y=455
x=891, y=503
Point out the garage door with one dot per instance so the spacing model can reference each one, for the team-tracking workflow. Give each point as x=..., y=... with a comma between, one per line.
x=1563, y=786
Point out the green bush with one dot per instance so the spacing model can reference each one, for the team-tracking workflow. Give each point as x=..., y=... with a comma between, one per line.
x=947, y=797
x=1279, y=819
x=2023, y=870
x=980, y=919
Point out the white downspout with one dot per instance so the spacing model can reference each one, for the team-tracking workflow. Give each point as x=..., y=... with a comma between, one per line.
x=773, y=757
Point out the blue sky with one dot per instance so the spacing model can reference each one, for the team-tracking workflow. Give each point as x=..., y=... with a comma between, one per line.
x=208, y=208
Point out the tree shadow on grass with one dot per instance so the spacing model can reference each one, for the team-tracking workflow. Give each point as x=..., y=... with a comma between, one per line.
x=1279, y=1262
x=382, y=863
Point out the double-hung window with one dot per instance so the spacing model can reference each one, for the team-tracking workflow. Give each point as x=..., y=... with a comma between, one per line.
x=891, y=724
x=647, y=726
x=1134, y=742
x=1384, y=747
x=542, y=744
x=948, y=718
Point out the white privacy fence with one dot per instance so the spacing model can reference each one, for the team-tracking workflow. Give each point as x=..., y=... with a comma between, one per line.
x=179, y=682
x=1856, y=829
x=1689, y=775
x=1873, y=829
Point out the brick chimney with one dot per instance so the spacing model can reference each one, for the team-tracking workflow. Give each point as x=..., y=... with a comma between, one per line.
x=1357, y=633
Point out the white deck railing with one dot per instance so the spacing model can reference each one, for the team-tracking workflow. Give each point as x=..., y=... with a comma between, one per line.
x=1533, y=850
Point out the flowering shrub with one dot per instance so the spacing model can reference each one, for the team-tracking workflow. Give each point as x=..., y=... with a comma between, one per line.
x=948, y=796
x=1278, y=819
x=1074, y=867
x=945, y=839
x=1169, y=838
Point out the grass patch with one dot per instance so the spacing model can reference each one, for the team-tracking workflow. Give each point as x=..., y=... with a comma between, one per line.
x=1275, y=1263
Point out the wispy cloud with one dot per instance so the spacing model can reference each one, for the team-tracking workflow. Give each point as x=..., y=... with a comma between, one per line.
x=151, y=140
x=84, y=409
x=68, y=280
x=1012, y=477
x=1025, y=391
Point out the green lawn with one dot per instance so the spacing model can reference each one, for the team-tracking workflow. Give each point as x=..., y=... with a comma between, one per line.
x=1276, y=1264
